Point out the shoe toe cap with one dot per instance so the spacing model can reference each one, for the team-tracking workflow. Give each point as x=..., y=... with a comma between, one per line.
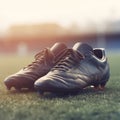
x=50, y=84
x=9, y=82
x=18, y=82
x=43, y=84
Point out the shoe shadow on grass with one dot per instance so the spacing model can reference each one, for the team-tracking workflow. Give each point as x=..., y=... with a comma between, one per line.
x=48, y=95
x=22, y=91
x=86, y=91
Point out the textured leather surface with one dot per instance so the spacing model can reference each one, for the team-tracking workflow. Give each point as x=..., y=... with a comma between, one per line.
x=80, y=68
x=44, y=61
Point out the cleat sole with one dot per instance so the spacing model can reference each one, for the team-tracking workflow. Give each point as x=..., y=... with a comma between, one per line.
x=100, y=86
x=41, y=93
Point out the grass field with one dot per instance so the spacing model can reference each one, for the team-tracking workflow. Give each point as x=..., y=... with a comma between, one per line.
x=87, y=105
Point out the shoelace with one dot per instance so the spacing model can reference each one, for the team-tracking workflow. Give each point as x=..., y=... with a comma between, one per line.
x=42, y=56
x=69, y=59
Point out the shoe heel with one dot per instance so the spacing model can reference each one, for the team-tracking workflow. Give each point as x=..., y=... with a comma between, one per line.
x=102, y=83
x=96, y=86
x=100, y=86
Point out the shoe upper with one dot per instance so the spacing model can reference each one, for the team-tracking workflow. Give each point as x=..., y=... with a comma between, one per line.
x=44, y=61
x=80, y=67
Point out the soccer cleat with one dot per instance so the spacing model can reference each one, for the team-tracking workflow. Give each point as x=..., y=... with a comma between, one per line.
x=80, y=67
x=44, y=61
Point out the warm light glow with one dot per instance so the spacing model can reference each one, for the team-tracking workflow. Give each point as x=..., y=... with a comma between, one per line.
x=61, y=11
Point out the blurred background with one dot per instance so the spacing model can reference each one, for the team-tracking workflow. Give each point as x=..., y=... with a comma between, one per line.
x=28, y=26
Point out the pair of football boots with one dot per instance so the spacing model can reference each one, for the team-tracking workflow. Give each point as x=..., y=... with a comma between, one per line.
x=60, y=69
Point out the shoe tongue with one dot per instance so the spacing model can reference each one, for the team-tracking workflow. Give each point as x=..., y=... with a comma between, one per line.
x=57, y=47
x=83, y=48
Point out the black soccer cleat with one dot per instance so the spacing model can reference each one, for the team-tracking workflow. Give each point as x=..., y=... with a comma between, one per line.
x=44, y=61
x=80, y=67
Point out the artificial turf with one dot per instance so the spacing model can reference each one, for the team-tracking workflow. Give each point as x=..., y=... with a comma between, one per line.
x=89, y=104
